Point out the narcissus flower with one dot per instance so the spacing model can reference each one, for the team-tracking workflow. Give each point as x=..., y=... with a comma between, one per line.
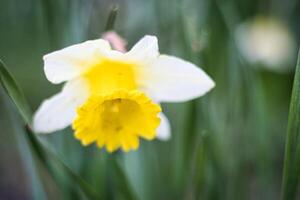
x=266, y=41
x=112, y=98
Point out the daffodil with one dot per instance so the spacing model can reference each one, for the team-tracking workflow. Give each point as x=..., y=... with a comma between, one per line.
x=112, y=98
x=266, y=41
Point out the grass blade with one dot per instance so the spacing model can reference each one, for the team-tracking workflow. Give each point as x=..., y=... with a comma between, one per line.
x=50, y=160
x=121, y=181
x=47, y=158
x=291, y=169
x=15, y=93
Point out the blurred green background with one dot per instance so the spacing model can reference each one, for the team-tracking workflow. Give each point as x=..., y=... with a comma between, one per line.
x=228, y=144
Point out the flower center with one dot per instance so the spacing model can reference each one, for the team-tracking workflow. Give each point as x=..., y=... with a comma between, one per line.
x=117, y=120
x=108, y=75
x=117, y=114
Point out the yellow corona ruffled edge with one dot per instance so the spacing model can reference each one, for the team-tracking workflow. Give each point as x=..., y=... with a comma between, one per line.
x=90, y=125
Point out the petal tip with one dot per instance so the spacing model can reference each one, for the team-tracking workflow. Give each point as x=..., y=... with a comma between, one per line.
x=164, y=129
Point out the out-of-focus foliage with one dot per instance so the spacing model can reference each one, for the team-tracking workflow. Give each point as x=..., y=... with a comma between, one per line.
x=292, y=159
x=228, y=144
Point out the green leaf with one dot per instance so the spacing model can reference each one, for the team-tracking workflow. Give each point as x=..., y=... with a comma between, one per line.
x=47, y=158
x=51, y=161
x=37, y=191
x=15, y=93
x=291, y=169
x=121, y=182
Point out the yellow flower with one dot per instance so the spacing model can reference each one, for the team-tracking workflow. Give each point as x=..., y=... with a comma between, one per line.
x=112, y=98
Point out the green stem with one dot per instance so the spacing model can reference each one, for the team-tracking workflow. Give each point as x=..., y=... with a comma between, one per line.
x=112, y=18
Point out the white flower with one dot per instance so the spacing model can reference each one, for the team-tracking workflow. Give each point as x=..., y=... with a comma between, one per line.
x=266, y=41
x=95, y=73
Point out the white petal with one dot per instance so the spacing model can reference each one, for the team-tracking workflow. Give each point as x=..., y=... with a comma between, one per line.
x=59, y=111
x=171, y=79
x=164, y=129
x=68, y=63
x=145, y=50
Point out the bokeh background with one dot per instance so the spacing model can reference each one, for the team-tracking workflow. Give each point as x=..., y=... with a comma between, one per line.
x=228, y=144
